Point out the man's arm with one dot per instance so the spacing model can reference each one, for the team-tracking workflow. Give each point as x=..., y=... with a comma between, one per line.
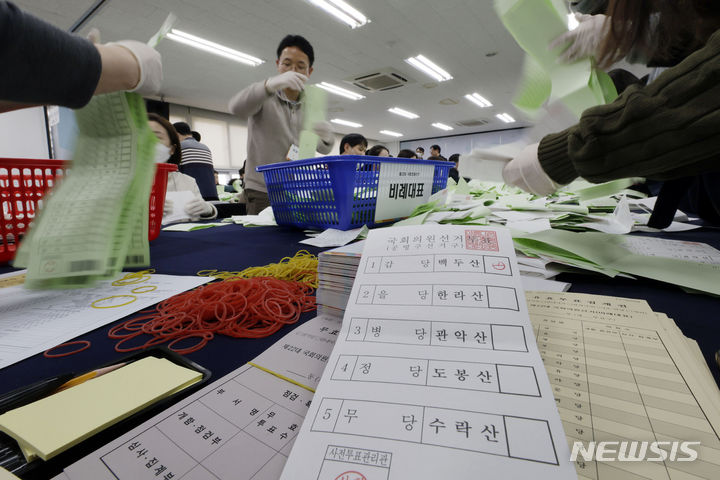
x=248, y=101
x=43, y=64
x=666, y=130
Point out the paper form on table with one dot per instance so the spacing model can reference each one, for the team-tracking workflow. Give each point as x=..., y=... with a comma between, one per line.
x=435, y=373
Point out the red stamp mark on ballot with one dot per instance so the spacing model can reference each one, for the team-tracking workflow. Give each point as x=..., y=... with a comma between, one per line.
x=481, y=240
x=351, y=475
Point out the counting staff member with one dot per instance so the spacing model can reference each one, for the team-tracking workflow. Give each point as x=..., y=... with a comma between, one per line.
x=273, y=109
x=668, y=129
x=43, y=65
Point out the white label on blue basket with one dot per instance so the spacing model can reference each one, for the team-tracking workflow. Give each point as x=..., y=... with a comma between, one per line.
x=401, y=188
x=293, y=153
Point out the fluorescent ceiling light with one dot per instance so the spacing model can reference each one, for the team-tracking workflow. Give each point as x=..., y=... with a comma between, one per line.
x=347, y=123
x=505, y=117
x=572, y=21
x=424, y=65
x=402, y=113
x=343, y=11
x=442, y=126
x=340, y=91
x=391, y=133
x=478, y=100
x=212, y=47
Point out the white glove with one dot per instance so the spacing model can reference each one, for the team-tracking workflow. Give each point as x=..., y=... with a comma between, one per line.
x=292, y=80
x=168, y=207
x=524, y=171
x=150, y=64
x=324, y=131
x=197, y=208
x=583, y=41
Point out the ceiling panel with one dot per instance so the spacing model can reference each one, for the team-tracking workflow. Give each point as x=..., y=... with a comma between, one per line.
x=456, y=34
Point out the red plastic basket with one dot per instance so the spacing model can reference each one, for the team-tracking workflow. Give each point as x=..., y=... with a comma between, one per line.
x=23, y=182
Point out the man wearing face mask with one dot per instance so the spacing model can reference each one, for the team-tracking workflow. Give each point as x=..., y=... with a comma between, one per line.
x=273, y=109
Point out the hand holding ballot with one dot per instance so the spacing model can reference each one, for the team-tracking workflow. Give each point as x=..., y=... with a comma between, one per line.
x=583, y=41
x=292, y=80
x=525, y=171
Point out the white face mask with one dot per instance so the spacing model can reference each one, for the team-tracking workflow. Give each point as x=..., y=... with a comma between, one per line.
x=162, y=153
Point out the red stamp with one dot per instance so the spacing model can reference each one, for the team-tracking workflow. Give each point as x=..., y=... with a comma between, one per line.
x=351, y=475
x=481, y=240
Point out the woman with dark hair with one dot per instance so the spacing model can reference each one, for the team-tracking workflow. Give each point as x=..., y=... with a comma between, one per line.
x=378, y=151
x=406, y=153
x=197, y=208
x=668, y=129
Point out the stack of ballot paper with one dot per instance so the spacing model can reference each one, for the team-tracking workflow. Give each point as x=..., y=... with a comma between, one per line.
x=96, y=221
x=337, y=269
x=580, y=206
x=691, y=265
x=623, y=373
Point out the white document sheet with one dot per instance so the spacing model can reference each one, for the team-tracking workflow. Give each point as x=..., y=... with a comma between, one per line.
x=333, y=237
x=179, y=200
x=31, y=321
x=435, y=373
x=239, y=427
x=301, y=355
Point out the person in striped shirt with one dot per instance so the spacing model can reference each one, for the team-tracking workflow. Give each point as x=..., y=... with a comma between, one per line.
x=196, y=161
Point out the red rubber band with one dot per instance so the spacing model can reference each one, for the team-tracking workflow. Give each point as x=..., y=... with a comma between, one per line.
x=47, y=353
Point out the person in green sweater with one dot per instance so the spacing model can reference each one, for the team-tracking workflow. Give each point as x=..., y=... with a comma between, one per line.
x=668, y=129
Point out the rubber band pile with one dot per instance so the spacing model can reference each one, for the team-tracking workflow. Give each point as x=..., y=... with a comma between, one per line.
x=243, y=305
x=301, y=267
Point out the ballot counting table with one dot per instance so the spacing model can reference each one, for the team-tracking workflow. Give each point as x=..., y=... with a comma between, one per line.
x=233, y=248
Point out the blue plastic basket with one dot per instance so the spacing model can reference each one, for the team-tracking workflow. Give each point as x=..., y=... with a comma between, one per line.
x=333, y=192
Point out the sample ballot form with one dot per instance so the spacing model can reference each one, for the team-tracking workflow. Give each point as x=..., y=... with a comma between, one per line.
x=435, y=373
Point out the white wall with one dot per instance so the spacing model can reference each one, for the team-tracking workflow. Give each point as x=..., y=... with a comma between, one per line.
x=465, y=143
x=23, y=134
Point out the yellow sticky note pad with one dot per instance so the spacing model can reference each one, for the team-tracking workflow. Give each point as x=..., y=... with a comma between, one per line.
x=53, y=424
x=5, y=475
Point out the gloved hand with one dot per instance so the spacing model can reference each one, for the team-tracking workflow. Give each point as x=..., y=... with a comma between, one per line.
x=524, y=171
x=324, y=131
x=149, y=63
x=292, y=80
x=168, y=207
x=197, y=208
x=584, y=41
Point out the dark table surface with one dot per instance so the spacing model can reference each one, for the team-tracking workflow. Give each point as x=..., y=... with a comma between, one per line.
x=235, y=247
x=232, y=248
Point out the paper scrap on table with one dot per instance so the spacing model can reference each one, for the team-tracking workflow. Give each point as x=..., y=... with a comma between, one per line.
x=179, y=200
x=530, y=226
x=262, y=219
x=620, y=222
x=336, y=238
x=189, y=227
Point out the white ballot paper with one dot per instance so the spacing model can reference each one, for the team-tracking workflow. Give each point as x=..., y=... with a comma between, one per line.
x=435, y=373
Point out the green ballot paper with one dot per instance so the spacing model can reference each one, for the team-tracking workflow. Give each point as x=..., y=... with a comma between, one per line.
x=314, y=106
x=96, y=220
x=534, y=24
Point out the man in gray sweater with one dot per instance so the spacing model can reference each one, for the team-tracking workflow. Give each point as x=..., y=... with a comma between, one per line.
x=273, y=108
